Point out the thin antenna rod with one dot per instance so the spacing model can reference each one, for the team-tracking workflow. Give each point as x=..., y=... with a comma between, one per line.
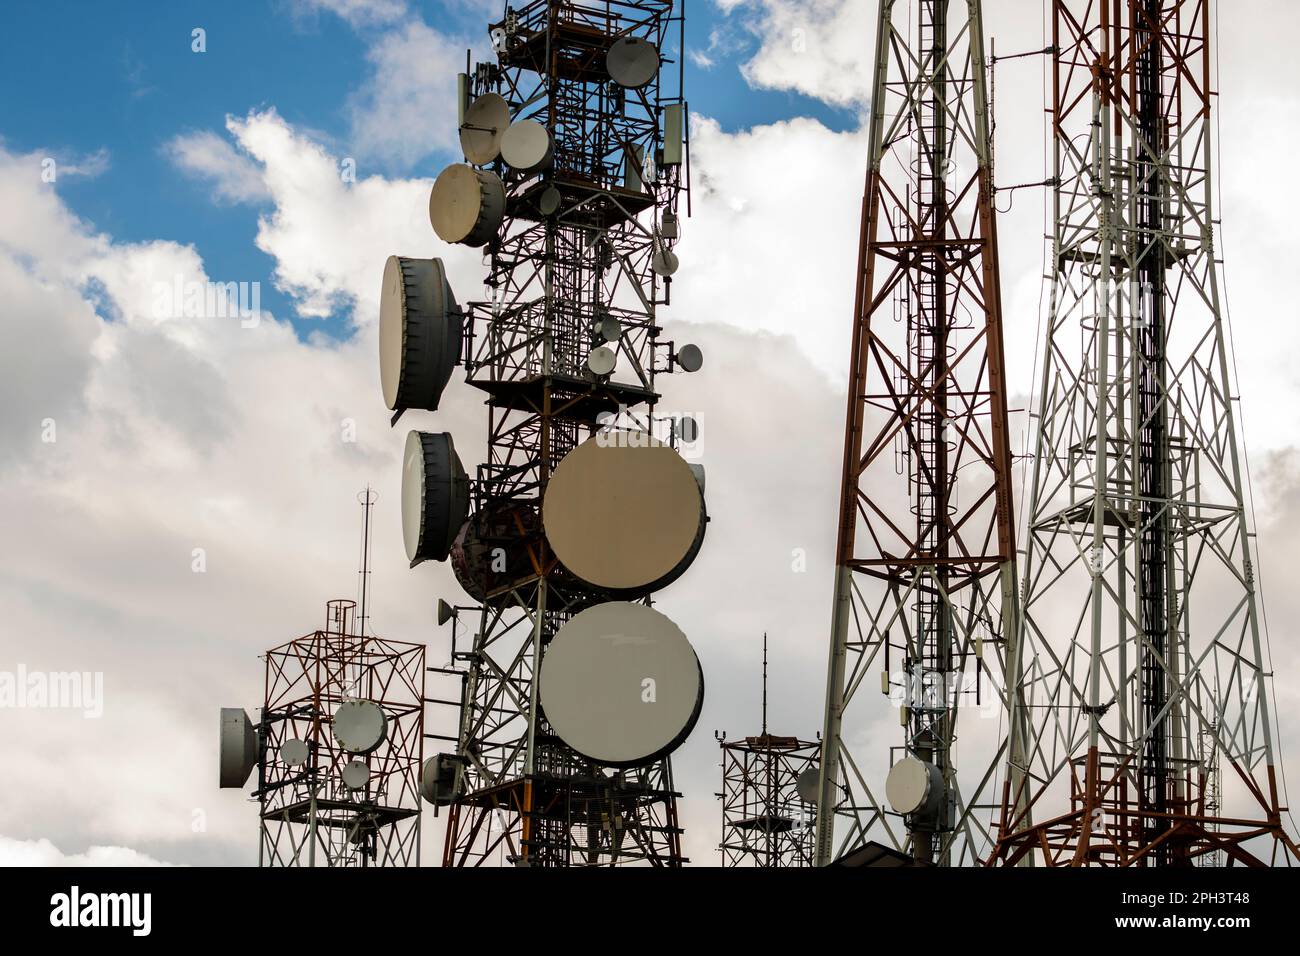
x=367, y=499
x=765, y=683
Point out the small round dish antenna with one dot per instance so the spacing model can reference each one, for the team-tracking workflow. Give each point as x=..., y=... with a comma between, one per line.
x=548, y=203
x=435, y=496
x=808, y=785
x=360, y=726
x=621, y=684
x=914, y=786
x=632, y=62
x=438, y=779
x=526, y=146
x=420, y=333
x=664, y=261
x=486, y=120
x=687, y=429
x=466, y=205
x=601, y=360
x=690, y=358
x=238, y=753
x=356, y=775
x=611, y=329
x=294, y=752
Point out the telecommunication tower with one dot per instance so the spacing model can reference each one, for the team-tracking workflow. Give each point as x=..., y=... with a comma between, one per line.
x=574, y=137
x=1142, y=670
x=924, y=581
x=337, y=747
x=769, y=792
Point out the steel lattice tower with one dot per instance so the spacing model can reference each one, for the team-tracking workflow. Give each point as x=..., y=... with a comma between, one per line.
x=619, y=172
x=308, y=815
x=924, y=587
x=1142, y=669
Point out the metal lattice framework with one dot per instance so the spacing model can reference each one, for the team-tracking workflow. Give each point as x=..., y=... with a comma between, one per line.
x=924, y=589
x=525, y=797
x=1143, y=675
x=308, y=816
x=765, y=821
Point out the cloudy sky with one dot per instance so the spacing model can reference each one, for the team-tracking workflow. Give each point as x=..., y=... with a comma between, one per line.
x=133, y=434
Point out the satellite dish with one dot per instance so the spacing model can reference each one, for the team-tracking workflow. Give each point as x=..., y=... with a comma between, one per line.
x=466, y=204
x=687, y=429
x=486, y=121
x=438, y=779
x=698, y=471
x=611, y=329
x=914, y=786
x=420, y=333
x=548, y=203
x=808, y=785
x=526, y=146
x=445, y=612
x=624, y=512
x=601, y=360
x=294, y=752
x=360, y=726
x=356, y=775
x=238, y=753
x=621, y=684
x=632, y=62
x=664, y=262
x=690, y=358
x=435, y=496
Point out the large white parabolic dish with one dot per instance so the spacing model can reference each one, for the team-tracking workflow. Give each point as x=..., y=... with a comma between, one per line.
x=624, y=512
x=621, y=684
x=420, y=333
x=466, y=205
x=435, y=496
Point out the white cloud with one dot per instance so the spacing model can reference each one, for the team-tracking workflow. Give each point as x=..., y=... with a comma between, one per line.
x=45, y=853
x=821, y=48
x=356, y=12
x=407, y=107
x=209, y=156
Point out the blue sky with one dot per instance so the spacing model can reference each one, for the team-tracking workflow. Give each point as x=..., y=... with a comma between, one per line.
x=121, y=78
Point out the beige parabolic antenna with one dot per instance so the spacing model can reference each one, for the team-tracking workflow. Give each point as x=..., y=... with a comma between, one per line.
x=632, y=62
x=621, y=684
x=466, y=205
x=420, y=332
x=435, y=496
x=913, y=786
x=624, y=512
x=526, y=146
x=486, y=120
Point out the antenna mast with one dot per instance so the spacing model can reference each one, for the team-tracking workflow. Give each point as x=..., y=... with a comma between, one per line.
x=924, y=586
